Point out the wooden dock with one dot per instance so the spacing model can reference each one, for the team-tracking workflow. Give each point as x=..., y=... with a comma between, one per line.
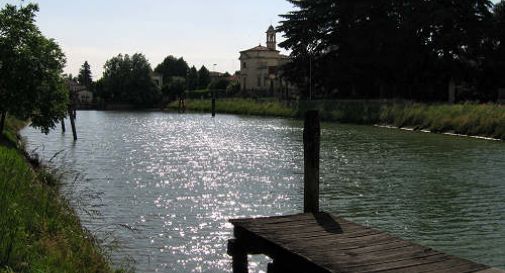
x=318, y=242
x=324, y=243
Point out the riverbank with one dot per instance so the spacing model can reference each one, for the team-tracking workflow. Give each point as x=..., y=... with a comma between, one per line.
x=39, y=231
x=484, y=120
x=239, y=106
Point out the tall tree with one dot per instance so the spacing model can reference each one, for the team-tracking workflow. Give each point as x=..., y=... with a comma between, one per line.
x=364, y=48
x=85, y=78
x=127, y=80
x=172, y=67
x=203, y=77
x=31, y=86
x=192, y=79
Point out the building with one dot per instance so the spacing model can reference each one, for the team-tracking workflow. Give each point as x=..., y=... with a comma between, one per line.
x=260, y=67
x=79, y=93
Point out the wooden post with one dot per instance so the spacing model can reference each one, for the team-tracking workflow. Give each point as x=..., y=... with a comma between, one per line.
x=71, y=115
x=239, y=263
x=213, y=103
x=311, y=145
x=63, y=129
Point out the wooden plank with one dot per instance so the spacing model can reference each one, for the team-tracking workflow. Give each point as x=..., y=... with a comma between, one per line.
x=325, y=243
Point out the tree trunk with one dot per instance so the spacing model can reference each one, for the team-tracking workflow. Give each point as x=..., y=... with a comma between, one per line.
x=2, y=122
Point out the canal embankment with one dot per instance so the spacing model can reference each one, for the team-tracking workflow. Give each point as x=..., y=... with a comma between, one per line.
x=39, y=230
x=468, y=119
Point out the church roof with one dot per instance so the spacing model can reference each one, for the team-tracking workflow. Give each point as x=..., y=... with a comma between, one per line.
x=259, y=48
x=271, y=29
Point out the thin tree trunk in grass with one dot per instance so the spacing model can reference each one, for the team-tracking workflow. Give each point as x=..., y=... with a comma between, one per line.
x=2, y=123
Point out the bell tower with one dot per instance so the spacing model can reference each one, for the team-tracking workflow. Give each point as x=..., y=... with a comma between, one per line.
x=271, y=38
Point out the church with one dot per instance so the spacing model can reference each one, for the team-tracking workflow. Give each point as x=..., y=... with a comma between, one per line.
x=259, y=67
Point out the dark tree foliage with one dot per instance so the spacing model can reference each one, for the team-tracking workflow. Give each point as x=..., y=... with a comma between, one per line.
x=175, y=88
x=219, y=84
x=127, y=80
x=493, y=70
x=192, y=79
x=85, y=78
x=203, y=77
x=385, y=48
x=31, y=84
x=172, y=67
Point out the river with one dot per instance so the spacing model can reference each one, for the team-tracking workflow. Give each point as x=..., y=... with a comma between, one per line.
x=162, y=186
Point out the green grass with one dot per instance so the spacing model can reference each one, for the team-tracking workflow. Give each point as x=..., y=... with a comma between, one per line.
x=39, y=231
x=239, y=106
x=351, y=111
x=470, y=119
x=486, y=120
x=12, y=126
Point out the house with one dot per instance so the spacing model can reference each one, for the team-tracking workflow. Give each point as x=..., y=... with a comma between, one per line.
x=79, y=93
x=260, y=67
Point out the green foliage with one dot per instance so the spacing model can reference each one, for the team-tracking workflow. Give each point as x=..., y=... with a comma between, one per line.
x=192, y=78
x=175, y=88
x=85, y=78
x=31, y=86
x=172, y=67
x=239, y=106
x=219, y=84
x=203, y=77
x=386, y=49
x=233, y=88
x=39, y=232
x=127, y=80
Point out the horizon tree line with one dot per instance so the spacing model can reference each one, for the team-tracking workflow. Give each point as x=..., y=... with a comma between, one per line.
x=124, y=79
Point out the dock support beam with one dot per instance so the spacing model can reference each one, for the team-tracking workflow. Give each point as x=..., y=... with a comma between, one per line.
x=311, y=146
x=239, y=256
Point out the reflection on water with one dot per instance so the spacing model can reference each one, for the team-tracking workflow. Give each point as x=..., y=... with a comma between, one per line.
x=177, y=179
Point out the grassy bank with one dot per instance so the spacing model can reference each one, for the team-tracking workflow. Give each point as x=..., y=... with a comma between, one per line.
x=345, y=111
x=239, y=106
x=469, y=119
x=486, y=120
x=39, y=231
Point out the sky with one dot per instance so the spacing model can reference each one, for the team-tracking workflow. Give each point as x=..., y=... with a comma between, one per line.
x=203, y=32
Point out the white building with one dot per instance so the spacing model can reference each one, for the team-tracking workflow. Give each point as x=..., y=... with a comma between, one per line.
x=79, y=93
x=259, y=66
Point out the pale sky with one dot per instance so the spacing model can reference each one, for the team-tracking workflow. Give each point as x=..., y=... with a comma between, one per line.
x=204, y=32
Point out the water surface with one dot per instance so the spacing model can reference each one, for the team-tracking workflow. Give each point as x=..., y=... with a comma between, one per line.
x=175, y=180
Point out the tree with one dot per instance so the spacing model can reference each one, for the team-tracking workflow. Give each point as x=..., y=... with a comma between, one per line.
x=493, y=67
x=219, y=84
x=127, y=80
x=192, y=79
x=172, y=67
x=175, y=88
x=203, y=77
x=84, y=77
x=383, y=48
x=31, y=86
